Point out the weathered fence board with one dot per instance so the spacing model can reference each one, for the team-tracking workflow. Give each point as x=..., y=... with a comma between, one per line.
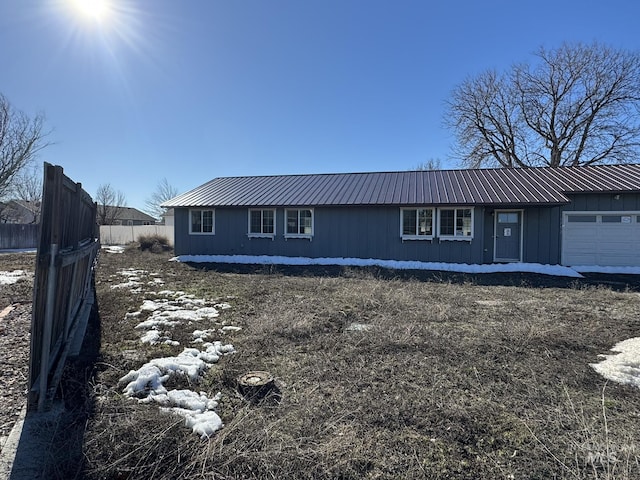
x=15, y=235
x=63, y=287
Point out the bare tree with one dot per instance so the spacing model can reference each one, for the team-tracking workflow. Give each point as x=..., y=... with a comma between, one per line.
x=163, y=192
x=110, y=203
x=431, y=164
x=27, y=187
x=21, y=138
x=578, y=105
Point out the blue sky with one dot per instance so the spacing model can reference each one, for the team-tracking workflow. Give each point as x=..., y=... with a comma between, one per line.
x=195, y=89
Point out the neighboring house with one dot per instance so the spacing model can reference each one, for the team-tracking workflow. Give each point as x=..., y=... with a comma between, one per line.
x=566, y=215
x=123, y=216
x=20, y=211
x=168, y=217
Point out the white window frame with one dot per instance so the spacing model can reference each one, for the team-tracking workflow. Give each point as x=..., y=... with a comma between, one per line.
x=261, y=234
x=417, y=236
x=456, y=237
x=213, y=221
x=299, y=235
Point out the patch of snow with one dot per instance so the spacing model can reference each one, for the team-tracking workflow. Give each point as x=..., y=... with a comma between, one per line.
x=200, y=335
x=204, y=424
x=153, y=337
x=131, y=284
x=113, y=248
x=230, y=328
x=622, y=366
x=149, y=379
x=222, y=306
x=9, y=278
x=147, y=385
x=152, y=323
x=556, y=270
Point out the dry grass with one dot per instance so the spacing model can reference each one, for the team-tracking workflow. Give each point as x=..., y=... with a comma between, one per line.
x=448, y=379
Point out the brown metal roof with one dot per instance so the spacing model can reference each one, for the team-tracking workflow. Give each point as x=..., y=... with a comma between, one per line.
x=519, y=186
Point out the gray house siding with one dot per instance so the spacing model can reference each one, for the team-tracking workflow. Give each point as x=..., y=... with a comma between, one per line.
x=541, y=239
x=604, y=202
x=357, y=232
x=374, y=232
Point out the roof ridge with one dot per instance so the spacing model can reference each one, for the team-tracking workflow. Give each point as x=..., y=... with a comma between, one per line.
x=486, y=169
x=488, y=186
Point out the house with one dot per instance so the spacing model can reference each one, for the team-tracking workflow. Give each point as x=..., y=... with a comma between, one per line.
x=168, y=217
x=567, y=215
x=110, y=215
x=20, y=211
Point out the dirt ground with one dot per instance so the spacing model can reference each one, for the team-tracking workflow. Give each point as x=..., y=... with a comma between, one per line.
x=15, y=327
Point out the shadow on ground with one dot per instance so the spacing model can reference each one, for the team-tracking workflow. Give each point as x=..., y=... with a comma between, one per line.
x=66, y=458
x=616, y=282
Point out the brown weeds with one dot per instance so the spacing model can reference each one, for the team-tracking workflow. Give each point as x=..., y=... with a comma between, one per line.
x=449, y=379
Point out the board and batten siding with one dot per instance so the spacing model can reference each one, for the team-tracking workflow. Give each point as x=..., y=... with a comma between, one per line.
x=349, y=232
x=541, y=238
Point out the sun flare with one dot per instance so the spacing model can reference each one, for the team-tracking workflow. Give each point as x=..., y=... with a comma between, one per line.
x=95, y=9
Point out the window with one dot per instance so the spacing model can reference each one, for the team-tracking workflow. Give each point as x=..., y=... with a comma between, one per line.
x=202, y=221
x=299, y=223
x=262, y=223
x=456, y=223
x=508, y=217
x=581, y=218
x=416, y=223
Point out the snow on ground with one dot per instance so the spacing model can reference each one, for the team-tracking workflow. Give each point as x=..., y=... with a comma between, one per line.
x=168, y=309
x=622, y=366
x=556, y=270
x=147, y=385
x=113, y=248
x=9, y=278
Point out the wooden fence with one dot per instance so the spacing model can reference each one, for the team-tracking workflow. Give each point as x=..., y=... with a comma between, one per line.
x=63, y=292
x=14, y=235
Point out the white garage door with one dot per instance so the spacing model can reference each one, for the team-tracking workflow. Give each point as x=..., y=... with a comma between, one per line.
x=601, y=238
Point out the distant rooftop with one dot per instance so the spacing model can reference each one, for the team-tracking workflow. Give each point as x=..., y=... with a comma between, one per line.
x=511, y=186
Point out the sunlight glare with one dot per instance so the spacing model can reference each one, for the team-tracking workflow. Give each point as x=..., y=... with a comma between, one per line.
x=95, y=9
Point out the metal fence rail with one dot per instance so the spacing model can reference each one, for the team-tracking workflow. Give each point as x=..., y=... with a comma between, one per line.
x=63, y=288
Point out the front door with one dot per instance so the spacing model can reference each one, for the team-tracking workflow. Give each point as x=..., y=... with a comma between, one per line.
x=508, y=236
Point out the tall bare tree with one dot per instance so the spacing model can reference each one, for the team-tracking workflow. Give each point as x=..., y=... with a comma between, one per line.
x=109, y=202
x=21, y=138
x=164, y=191
x=577, y=105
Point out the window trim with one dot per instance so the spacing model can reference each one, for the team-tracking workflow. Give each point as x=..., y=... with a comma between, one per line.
x=251, y=234
x=299, y=235
x=213, y=220
x=417, y=236
x=454, y=237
